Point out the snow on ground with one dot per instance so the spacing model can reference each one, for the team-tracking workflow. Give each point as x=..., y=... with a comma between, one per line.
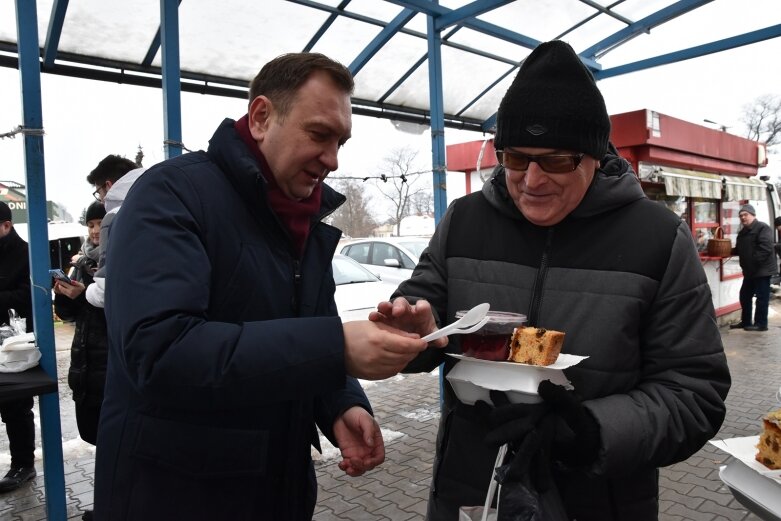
x=371, y=383
x=332, y=453
x=397, y=378
x=71, y=449
x=421, y=414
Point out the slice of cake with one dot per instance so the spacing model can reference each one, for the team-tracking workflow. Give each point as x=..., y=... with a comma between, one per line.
x=535, y=346
x=769, y=446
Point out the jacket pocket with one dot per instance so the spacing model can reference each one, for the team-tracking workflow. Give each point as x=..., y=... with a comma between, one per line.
x=201, y=451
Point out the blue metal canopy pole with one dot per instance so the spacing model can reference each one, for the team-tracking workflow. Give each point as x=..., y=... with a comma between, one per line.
x=438, y=165
x=437, y=119
x=172, y=87
x=32, y=122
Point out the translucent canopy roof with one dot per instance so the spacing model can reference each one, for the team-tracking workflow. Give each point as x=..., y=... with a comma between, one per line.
x=385, y=43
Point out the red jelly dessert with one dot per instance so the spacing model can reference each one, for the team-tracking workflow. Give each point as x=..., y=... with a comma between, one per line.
x=487, y=347
x=492, y=341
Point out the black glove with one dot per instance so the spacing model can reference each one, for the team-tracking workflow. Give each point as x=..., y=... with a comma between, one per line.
x=577, y=439
x=509, y=422
x=530, y=459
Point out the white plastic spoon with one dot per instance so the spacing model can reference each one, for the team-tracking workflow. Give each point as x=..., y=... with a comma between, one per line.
x=472, y=320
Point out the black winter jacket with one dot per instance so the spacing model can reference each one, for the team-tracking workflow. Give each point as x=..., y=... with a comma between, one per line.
x=89, y=349
x=225, y=348
x=621, y=277
x=754, y=246
x=15, y=278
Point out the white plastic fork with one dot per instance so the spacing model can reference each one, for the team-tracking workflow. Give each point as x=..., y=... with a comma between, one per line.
x=472, y=320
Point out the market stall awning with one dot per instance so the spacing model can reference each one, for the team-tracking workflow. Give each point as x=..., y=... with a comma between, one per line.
x=740, y=188
x=690, y=183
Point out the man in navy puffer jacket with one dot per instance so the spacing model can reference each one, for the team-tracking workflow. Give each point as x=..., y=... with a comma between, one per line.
x=225, y=347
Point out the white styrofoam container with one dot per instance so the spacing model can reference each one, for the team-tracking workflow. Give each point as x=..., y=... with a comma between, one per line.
x=473, y=378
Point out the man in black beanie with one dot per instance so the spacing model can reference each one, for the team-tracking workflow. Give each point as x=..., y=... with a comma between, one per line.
x=754, y=247
x=564, y=234
x=15, y=294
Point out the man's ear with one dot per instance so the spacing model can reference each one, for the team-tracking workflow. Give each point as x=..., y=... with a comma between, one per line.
x=260, y=111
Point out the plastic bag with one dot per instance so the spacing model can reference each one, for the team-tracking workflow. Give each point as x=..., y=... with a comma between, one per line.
x=485, y=512
x=18, y=324
x=18, y=351
x=526, y=490
x=476, y=514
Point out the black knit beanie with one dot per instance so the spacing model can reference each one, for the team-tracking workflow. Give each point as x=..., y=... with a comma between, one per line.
x=554, y=102
x=95, y=211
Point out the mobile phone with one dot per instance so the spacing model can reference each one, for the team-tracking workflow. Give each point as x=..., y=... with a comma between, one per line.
x=60, y=275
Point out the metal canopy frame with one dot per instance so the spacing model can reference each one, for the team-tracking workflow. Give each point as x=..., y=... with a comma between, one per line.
x=443, y=25
x=445, y=20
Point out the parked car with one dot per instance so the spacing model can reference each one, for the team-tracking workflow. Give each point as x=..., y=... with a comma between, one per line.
x=392, y=258
x=358, y=290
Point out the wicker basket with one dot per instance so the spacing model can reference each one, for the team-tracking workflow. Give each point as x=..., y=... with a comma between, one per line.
x=719, y=246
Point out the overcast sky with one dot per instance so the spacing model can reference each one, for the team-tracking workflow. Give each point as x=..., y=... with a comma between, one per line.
x=86, y=120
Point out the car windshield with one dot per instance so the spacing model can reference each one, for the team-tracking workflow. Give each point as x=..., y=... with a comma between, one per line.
x=347, y=271
x=416, y=247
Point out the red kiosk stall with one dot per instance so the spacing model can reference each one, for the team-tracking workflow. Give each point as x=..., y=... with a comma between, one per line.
x=701, y=174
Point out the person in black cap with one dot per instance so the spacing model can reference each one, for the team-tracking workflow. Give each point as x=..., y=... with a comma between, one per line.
x=754, y=247
x=15, y=294
x=564, y=234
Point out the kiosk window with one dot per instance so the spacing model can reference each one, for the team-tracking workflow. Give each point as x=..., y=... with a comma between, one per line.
x=730, y=225
x=705, y=221
x=675, y=203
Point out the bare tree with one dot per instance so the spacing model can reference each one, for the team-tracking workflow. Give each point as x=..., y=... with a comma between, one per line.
x=762, y=117
x=139, y=157
x=422, y=203
x=398, y=177
x=354, y=217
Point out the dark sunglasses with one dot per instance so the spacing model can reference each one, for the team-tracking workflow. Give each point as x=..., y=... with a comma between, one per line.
x=551, y=163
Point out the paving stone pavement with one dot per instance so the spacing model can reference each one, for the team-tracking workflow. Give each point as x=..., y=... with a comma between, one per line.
x=407, y=408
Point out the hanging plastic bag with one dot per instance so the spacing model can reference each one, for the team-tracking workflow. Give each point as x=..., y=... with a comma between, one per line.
x=18, y=351
x=528, y=491
x=485, y=512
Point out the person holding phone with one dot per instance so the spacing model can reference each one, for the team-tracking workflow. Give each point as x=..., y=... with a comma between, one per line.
x=87, y=373
x=89, y=356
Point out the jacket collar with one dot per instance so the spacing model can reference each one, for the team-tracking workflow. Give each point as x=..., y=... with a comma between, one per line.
x=228, y=151
x=10, y=241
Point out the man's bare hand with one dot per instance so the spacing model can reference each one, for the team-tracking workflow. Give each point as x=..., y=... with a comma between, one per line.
x=360, y=441
x=414, y=318
x=374, y=351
